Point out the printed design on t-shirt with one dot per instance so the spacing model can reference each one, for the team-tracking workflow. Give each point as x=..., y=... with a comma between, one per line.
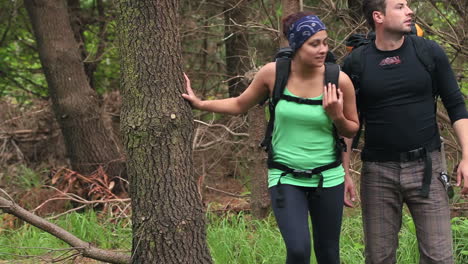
x=390, y=61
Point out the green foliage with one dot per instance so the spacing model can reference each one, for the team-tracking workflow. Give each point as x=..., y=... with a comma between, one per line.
x=21, y=75
x=28, y=178
x=444, y=26
x=233, y=239
x=351, y=240
x=20, y=70
x=24, y=178
x=460, y=237
x=28, y=240
x=103, y=50
x=408, y=250
x=97, y=230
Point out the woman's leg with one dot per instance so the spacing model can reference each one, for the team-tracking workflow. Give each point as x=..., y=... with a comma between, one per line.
x=326, y=211
x=292, y=219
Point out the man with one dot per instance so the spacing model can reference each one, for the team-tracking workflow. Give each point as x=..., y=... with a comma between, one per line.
x=401, y=155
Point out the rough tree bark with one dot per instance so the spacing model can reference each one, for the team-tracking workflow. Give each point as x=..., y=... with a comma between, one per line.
x=76, y=106
x=157, y=127
x=260, y=199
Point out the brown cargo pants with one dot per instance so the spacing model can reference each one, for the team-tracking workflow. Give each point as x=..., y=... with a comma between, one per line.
x=385, y=186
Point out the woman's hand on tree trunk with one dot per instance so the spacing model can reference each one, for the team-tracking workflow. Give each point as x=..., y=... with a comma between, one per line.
x=190, y=95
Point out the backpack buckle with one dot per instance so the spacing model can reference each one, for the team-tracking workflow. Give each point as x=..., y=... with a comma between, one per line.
x=301, y=100
x=302, y=173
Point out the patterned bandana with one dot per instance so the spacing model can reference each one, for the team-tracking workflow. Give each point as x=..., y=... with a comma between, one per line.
x=303, y=29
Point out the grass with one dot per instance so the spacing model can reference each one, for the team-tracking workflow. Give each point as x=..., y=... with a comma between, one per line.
x=233, y=239
x=244, y=241
x=27, y=240
x=22, y=177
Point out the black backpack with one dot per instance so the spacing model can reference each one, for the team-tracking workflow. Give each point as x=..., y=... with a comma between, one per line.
x=283, y=65
x=360, y=42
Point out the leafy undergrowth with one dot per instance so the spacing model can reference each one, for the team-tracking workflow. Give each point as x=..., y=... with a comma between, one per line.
x=233, y=239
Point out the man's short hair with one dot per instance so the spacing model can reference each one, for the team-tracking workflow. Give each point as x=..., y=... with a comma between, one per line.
x=369, y=6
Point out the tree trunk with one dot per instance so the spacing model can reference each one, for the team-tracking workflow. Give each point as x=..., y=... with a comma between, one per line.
x=157, y=127
x=75, y=104
x=237, y=49
x=260, y=199
x=289, y=7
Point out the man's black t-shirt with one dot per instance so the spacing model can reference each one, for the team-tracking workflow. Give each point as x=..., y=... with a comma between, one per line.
x=397, y=98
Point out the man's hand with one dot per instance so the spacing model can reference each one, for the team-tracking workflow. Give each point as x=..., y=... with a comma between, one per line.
x=462, y=176
x=349, y=192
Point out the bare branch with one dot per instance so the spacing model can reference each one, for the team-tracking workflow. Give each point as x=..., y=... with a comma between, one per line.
x=84, y=248
x=223, y=126
x=226, y=193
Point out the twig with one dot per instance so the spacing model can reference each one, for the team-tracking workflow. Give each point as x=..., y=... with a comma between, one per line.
x=226, y=193
x=59, y=259
x=222, y=126
x=67, y=212
x=6, y=194
x=267, y=14
x=82, y=201
x=76, y=198
x=19, y=154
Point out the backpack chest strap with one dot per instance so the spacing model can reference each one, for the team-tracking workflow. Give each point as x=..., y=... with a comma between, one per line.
x=300, y=100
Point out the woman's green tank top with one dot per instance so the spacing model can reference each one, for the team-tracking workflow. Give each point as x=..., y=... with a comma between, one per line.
x=303, y=139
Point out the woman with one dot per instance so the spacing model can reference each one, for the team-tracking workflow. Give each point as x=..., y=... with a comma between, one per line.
x=303, y=139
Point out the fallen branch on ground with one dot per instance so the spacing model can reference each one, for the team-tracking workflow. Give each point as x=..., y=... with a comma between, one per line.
x=84, y=248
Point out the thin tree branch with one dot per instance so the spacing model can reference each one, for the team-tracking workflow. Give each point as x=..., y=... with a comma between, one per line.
x=84, y=248
x=226, y=193
x=222, y=126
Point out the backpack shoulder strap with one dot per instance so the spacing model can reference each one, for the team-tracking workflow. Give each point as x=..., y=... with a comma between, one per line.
x=357, y=64
x=423, y=52
x=283, y=66
x=332, y=74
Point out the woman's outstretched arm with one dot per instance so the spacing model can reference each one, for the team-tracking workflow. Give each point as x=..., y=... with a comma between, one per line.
x=255, y=92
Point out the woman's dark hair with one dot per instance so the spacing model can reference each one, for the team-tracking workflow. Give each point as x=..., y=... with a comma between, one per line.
x=289, y=20
x=369, y=6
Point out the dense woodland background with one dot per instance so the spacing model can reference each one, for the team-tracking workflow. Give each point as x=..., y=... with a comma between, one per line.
x=69, y=68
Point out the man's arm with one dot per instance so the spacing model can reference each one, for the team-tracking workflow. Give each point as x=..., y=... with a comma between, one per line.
x=456, y=108
x=350, y=190
x=461, y=130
